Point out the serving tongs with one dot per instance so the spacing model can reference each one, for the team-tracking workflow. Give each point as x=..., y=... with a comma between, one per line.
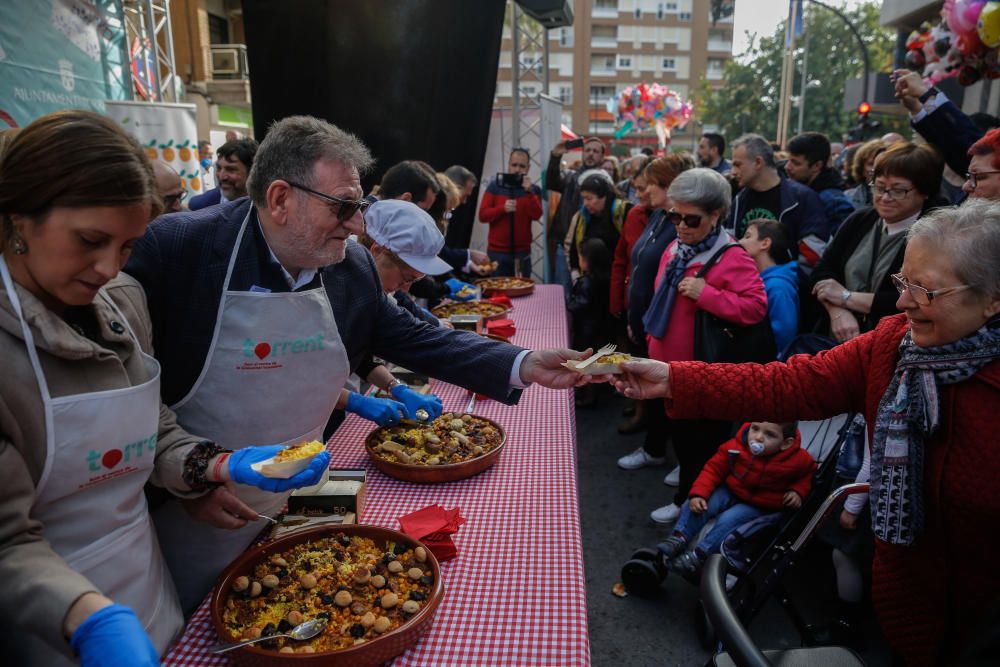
x=607, y=349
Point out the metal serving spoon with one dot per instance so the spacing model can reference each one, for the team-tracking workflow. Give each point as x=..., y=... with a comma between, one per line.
x=301, y=632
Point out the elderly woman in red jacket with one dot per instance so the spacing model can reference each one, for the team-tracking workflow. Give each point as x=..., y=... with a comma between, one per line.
x=928, y=383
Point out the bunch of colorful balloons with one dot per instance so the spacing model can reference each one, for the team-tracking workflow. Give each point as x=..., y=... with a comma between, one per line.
x=963, y=44
x=643, y=106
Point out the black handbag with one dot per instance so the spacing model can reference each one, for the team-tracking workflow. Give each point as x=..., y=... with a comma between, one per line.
x=719, y=341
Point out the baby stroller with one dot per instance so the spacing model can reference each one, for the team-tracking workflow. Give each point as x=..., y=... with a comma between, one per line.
x=761, y=552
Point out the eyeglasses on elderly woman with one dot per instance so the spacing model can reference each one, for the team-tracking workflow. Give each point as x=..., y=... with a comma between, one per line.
x=690, y=220
x=922, y=295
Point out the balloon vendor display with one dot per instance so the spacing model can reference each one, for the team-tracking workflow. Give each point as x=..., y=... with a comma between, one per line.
x=963, y=44
x=643, y=106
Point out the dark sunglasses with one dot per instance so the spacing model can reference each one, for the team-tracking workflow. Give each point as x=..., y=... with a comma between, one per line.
x=169, y=200
x=346, y=207
x=691, y=220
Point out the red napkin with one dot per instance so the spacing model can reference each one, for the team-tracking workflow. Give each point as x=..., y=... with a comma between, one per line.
x=503, y=328
x=501, y=300
x=434, y=526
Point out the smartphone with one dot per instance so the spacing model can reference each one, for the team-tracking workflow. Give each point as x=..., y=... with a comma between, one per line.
x=574, y=143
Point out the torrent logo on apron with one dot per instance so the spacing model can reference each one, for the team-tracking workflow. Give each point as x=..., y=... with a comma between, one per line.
x=100, y=450
x=272, y=376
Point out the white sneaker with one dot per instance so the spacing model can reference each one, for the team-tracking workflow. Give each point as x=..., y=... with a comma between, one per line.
x=665, y=514
x=673, y=477
x=640, y=459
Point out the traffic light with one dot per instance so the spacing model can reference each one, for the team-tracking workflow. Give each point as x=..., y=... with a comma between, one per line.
x=864, y=127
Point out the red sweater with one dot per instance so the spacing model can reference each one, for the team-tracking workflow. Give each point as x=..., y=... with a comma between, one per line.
x=930, y=596
x=761, y=481
x=621, y=266
x=491, y=211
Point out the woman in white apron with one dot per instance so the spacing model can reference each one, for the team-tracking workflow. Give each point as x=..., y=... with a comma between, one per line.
x=81, y=420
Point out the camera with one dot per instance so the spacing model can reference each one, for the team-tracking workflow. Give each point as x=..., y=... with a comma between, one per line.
x=574, y=143
x=510, y=180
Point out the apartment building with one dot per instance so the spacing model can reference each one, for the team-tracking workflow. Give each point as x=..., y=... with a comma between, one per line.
x=210, y=58
x=615, y=43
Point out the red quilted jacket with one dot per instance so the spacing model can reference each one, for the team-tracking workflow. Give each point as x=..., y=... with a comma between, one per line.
x=931, y=596
x=761, y=481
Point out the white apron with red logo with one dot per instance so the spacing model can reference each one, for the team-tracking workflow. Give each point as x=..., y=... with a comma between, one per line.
x=272, y=376
x=100, y=450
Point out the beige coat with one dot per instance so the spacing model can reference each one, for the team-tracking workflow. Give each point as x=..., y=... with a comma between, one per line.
x=39, y=586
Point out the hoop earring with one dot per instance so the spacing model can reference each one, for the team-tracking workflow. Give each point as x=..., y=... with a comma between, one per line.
x=18, y=245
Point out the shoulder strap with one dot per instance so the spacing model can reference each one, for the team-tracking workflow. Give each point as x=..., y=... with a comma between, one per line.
x=714, y=259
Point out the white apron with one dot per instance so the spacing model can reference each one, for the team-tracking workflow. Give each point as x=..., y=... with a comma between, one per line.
x=272, y=376
x=100, y=450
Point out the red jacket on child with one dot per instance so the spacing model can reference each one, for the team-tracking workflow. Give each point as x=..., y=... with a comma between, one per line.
x=761, y=481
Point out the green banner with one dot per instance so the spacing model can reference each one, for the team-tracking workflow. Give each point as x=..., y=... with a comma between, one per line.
x=55, y=54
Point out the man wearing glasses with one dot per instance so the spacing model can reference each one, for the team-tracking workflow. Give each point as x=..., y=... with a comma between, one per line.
x=261, y=308
x=169, y=185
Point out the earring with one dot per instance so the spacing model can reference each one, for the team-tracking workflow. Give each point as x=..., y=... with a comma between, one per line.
x=18, y=245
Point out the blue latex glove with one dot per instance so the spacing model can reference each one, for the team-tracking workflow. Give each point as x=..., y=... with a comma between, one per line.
x=382, y=411
x=454, y=285
x=241, y=472
x=415, y=400
x=114, y=637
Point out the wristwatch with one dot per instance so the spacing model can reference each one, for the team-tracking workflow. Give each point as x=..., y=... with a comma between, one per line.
x=395, y=382
x=845, y=295
x=928, y=94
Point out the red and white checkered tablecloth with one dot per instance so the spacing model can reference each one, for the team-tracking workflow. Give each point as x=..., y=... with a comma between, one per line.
x=515, y=594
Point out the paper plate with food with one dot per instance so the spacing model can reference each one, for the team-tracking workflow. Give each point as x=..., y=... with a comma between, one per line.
x=289, y=461
x=599, y=364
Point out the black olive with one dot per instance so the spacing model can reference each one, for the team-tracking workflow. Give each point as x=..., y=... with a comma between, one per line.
x=388, y=558
x=344, y=588
x=357, y=631
x=417, y=595
x=283, y=572
x=345, y=540
x=325, y=615
x=327, y=599
x=307, y=566
x=338, y=556
x=427, y=580
x=285, y=626
x=400, y=549
x=269, y=629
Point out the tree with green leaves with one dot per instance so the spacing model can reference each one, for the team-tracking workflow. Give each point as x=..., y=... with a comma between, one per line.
x=748, y=100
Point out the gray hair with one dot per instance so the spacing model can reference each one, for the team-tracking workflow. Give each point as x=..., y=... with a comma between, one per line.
x=705, y=188
x=292, y=148
x=757, y=146
x=969, y=236
x=460, y=176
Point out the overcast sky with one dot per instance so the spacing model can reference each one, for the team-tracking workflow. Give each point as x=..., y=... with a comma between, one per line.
x=762, y=16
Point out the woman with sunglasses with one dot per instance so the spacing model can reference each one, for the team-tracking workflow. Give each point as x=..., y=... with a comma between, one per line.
x=852, y=281
x=731, y=290
x=928, y=383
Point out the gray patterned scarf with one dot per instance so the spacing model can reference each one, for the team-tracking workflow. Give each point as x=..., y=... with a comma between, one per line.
x=908, y=414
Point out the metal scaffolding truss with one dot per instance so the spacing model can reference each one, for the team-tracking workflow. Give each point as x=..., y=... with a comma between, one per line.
x=140, y=29
x=529, y=78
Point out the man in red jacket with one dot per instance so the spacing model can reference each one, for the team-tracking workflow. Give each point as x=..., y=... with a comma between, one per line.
x=510, y=205
x=762, y=469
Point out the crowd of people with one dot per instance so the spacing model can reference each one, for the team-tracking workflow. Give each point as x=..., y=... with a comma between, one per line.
x=778, y=283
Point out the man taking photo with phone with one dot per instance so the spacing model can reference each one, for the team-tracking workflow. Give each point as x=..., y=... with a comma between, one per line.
x=511, y=203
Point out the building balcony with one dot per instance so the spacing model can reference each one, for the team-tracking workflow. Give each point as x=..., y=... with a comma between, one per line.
x=719, y=45
x=604, y=42
x=714, y=75
x=604, y=13
x=603, y=71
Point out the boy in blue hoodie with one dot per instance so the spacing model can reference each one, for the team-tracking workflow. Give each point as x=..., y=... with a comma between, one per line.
x=766, y=241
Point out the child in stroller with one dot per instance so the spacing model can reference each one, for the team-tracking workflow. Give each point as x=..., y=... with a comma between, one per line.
x=761, y=470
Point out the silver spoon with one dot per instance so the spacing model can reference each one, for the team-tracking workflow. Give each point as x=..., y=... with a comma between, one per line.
x=301, y=632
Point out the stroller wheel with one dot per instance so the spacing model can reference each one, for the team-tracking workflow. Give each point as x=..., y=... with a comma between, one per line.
x=641, y=577
x=703, y=627
x=646, y=553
